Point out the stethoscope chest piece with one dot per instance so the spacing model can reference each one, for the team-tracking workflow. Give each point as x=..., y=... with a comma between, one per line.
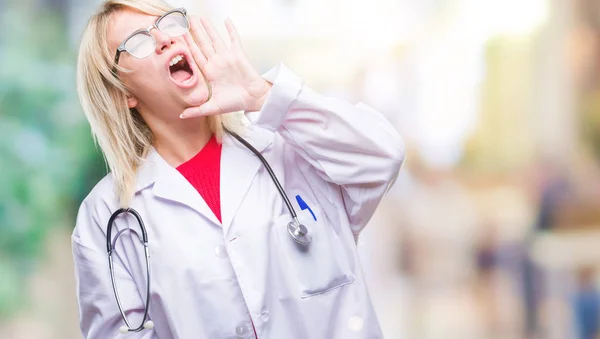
x=299, y=233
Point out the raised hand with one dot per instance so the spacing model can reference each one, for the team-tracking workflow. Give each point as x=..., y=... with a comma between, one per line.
x=235, y=84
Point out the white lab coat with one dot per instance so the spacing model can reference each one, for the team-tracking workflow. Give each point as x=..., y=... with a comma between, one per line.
x=213, y=280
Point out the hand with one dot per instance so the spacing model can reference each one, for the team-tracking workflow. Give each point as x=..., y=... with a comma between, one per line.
x=235, y=84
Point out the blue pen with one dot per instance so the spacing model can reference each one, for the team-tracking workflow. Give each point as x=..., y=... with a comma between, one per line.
x=303, y=205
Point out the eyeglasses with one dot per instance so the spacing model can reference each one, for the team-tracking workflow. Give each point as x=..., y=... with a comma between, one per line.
x=140, y=44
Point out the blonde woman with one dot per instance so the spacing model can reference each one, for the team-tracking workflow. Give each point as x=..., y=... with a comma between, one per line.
x=208, y=227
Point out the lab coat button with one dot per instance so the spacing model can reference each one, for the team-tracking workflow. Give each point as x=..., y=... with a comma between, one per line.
x=221, y=251
x=265, y=315
x=355, y=324
x=241, y=330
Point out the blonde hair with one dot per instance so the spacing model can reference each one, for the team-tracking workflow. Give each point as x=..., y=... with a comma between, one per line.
x=121, y=133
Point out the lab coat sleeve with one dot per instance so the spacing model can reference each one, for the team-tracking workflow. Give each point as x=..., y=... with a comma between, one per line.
x=351, y=146
x=99, y=316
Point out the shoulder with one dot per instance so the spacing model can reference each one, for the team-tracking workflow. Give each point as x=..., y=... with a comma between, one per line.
x=96, y=207
x=104, y=189
x=260, y=138
x=103, y=193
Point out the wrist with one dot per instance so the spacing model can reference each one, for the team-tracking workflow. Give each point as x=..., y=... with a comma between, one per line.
x=260, y=97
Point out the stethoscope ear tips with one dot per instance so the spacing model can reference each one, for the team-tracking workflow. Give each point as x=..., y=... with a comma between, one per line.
x=123, y=329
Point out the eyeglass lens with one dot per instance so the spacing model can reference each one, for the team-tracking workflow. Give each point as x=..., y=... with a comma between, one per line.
x=142, y=44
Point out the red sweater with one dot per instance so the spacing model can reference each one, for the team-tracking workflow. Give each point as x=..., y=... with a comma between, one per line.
x=203, y=172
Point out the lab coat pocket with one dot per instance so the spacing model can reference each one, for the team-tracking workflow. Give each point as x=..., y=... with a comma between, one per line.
x=318, y=267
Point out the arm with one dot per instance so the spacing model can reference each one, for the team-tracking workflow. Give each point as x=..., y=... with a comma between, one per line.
x=351, y=146
x=99, y=316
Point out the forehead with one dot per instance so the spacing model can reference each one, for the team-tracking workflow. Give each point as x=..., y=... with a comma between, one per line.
x=124, y=22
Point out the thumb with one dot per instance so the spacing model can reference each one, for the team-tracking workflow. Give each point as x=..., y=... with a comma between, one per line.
x=208, y=108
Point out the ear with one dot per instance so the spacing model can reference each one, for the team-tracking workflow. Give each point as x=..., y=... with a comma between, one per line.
x=132, y=101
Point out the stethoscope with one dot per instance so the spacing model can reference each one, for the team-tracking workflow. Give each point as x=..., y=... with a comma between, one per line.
x=297, y=231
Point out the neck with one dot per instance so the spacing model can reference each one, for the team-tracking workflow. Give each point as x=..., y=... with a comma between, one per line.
x=179, y=141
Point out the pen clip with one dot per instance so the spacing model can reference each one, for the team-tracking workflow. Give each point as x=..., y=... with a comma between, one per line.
x=303, y=206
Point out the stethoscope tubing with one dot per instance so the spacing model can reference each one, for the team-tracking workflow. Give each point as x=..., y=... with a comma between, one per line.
x=271, y=173
x=110, y=249
x=296, y=230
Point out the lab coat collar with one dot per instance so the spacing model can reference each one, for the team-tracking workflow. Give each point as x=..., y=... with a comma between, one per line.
x=238, y=168
x=167, y=183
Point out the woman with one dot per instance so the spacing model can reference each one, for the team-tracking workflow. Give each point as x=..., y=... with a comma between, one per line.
x=159, y=88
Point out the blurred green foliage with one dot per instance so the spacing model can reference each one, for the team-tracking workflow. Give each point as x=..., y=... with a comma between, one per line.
x=590, y=121
x=47, y=158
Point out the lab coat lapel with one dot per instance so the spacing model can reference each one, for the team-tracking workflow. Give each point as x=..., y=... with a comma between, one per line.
x=170, y=185
x=238, y=169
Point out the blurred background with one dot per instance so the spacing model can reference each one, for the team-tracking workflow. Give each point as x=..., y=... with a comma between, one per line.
x=493, y=227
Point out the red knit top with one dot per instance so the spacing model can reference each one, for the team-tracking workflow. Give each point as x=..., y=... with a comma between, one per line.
x=203, y=172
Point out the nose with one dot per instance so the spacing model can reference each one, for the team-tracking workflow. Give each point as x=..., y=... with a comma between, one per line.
x=163, y=40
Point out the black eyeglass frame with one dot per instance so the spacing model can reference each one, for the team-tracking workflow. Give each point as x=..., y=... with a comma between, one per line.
x=122, y=48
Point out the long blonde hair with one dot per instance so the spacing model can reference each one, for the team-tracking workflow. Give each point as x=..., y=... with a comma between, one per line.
x=121, y=133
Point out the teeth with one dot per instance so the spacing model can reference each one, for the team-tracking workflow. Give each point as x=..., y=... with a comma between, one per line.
x=175, y=60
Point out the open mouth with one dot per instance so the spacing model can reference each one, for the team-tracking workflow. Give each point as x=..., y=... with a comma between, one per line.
x=180, y=69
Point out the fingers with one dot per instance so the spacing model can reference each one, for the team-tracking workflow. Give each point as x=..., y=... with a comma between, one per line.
x=208, y=40
x=196, y=52
x=208, y=108
x=201, y=37
x=191, y=113
x=236, y=42
x=215, y=38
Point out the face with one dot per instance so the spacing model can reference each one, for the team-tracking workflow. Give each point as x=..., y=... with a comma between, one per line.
x=164, y=83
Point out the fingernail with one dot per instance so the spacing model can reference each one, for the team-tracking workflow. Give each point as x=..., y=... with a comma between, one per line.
x=181, y=116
